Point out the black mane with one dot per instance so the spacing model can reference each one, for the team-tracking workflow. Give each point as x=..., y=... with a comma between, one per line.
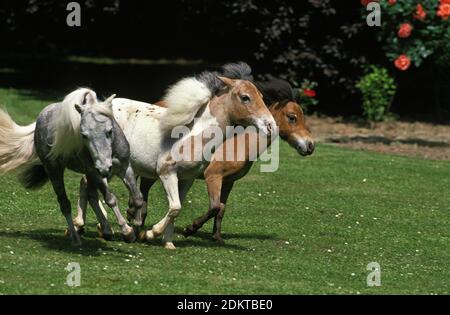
x=274, y=89
x=238, y=71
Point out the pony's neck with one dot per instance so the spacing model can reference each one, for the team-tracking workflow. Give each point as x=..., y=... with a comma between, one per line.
x=215, y=114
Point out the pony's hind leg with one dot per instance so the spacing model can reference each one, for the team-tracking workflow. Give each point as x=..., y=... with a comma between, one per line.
x=56, y=176
x=111, y=200
x=80, y=219
x=214, y=185
x=217, y=229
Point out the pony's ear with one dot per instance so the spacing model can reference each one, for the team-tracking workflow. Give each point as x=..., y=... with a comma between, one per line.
x=89, y=98
x=227, y=81
x=79, y=108
x=108, y=101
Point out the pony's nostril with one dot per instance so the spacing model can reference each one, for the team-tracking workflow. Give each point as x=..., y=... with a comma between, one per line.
x=269, y=126
x=310, y=147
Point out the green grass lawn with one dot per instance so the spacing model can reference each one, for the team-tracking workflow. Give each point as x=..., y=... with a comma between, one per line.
x=311, y=227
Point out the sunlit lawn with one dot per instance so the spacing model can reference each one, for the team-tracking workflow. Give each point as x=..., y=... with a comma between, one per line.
x=311, y=227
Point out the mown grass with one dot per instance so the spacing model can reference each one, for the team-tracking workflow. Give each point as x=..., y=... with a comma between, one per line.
x=311, y=227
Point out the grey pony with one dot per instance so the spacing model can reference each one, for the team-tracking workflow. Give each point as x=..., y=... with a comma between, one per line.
x=82, y=135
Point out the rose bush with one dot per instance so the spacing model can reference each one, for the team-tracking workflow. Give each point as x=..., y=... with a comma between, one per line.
x=413, y=31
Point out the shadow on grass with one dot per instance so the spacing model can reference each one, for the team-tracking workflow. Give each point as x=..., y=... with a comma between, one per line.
x=199, y=243
x=250, y=236
x=92, y=245
x=54, y=239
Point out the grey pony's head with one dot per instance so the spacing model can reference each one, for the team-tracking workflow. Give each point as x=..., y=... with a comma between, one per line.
x=96, y=129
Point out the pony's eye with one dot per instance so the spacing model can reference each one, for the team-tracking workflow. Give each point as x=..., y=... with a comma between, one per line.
x=245, y=99
x=109, y=133
x=292, y=119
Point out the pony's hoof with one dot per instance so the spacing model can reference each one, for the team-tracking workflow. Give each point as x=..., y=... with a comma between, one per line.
x=142, y=236
x=129, y=237
x=108, y=237
x=218, y=239
x=169, y=245
x=149, y=235
x=188, y=231
x=105, y=236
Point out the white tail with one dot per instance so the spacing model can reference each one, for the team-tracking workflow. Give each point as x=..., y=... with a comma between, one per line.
x=16, y=144
x=184, y=100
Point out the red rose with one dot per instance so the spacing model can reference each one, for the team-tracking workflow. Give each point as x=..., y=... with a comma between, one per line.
x=402, y=62
x=366, y=2
x=392, y=2
x=405, y=30
x=444, y=10
x=309, y=92
x=445, y=2
x=420, y=12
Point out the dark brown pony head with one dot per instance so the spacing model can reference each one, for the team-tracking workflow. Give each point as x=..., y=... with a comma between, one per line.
x=292, y=127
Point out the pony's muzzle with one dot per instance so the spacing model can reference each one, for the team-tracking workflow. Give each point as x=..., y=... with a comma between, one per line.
x=267, y=125
x=305, y=146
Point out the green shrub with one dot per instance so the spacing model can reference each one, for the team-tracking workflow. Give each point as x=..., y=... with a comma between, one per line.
x=378, y=89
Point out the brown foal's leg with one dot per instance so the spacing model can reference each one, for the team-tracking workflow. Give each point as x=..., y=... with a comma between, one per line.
x=214, y=185
x=217, y=229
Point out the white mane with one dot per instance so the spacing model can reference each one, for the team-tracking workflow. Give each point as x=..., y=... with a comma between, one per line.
x=184, y=100
x=67, y=126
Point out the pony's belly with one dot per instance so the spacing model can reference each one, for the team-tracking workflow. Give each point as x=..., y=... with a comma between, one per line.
x=140, y=124
x=144, y=150
x=188, y=170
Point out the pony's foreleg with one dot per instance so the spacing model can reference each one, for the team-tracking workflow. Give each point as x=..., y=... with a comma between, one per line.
x=105, y=229
x=183, y=188
x=80, y=219
x=111, y=201
x=135, y=201
x=214, y=186
x=56, y=176
x=170, y=184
